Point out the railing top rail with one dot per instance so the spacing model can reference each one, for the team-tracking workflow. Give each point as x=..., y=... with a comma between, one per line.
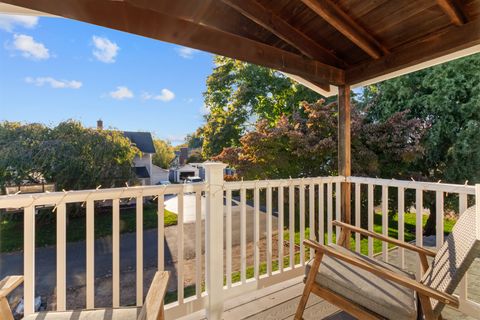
x=250, y=184
x=55, y=198
x=428, y=186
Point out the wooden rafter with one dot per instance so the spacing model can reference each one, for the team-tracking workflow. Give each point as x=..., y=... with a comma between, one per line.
x=341, y=21
x=453, y=10
x=282, y=29
x=157, y=25
x=434, y=46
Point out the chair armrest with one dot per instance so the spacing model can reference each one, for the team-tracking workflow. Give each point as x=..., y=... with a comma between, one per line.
x=385, y=238
x=153, y=306
x=385, y=273
x=8, y=284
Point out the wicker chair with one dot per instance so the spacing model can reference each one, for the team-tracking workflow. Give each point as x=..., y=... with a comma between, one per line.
x=371, y=289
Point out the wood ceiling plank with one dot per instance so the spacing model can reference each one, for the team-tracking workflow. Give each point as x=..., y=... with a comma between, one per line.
x=453, y=10
x=394, y=13
x=122, y=16
x=448, y=41
x=335, y=16
x=276, y=25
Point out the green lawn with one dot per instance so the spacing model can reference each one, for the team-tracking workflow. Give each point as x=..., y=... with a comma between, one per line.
x=392, y=231
x=377, y=245
x=11, y=231
x=410, y=221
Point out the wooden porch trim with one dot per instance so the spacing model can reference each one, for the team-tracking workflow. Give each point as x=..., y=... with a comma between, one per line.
x=344, y=158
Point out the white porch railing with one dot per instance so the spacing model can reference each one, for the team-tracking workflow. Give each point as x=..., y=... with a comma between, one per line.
x=238, y=214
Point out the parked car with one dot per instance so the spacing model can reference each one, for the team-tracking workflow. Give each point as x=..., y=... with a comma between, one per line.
x=193, y=179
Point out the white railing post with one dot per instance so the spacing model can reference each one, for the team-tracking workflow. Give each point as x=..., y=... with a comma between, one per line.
x=214, y=238
x=29, y=260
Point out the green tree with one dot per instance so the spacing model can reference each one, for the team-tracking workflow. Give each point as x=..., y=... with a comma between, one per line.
x=164, y=153
x=238, y=94
x=69, y=155
x=305, y=144
x=195, y=140
x=446, y=96
x=19, y=145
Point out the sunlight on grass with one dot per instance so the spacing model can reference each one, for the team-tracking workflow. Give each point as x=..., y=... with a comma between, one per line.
x=11, y=231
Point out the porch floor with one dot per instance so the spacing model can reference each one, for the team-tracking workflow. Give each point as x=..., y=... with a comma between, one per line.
x=281, y=300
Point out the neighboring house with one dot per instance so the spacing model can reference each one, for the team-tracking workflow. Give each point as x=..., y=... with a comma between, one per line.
x=179, y=174
x=158, y=174
x=143, y=166
x=181, y=157
x=144, y=169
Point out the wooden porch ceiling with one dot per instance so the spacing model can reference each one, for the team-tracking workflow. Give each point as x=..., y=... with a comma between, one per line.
x=325, y=42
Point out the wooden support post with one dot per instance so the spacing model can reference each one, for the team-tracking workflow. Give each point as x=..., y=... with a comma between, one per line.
x=344, y=157
x=214, y=239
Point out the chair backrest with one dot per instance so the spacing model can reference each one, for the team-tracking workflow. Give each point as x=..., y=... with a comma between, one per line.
x=455, y=256
x=153, y=306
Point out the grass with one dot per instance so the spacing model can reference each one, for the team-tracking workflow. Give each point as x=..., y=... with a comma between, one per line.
x=410, y=222
x=11, y=231
x=409, y=234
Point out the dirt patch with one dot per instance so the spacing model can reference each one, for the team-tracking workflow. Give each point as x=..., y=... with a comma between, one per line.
x=103, y=286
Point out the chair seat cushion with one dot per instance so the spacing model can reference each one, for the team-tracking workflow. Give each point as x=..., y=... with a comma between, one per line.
x=374, y=293
x=96, y=314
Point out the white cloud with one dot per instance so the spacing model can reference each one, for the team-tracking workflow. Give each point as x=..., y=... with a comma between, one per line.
x=54, y=83
x=30, y=48
x=105, y=50
x=186, y=53
x=165, y=95
x=9, y=22
x=121, y=93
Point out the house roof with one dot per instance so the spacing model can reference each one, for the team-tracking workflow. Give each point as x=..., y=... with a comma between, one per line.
x=141, y=172
x=142, y=140
x=323, y=43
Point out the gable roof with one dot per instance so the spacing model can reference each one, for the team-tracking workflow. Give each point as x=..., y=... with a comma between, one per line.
x=142, y=140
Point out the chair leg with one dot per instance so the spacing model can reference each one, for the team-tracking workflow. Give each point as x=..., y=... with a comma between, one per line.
x=5, y=311
x=426, y=307
x=161, y=314
x=308, y=285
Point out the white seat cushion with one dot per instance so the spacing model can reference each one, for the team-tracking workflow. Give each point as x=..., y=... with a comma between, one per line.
x=379, y=295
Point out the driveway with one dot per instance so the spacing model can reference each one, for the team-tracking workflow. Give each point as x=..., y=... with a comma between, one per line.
x=189, y=207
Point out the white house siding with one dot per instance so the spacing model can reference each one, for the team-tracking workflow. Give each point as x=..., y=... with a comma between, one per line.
x=158, y=174
x=144, y=161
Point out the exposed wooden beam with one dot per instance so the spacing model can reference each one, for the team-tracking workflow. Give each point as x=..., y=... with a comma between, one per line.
x=320, y=88
x=451, y=40
x=153, y=24
x=453, y=10
x=282, y=29
x=341, y=21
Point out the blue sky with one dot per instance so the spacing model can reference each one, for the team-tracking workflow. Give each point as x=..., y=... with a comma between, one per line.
x=54, y=69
